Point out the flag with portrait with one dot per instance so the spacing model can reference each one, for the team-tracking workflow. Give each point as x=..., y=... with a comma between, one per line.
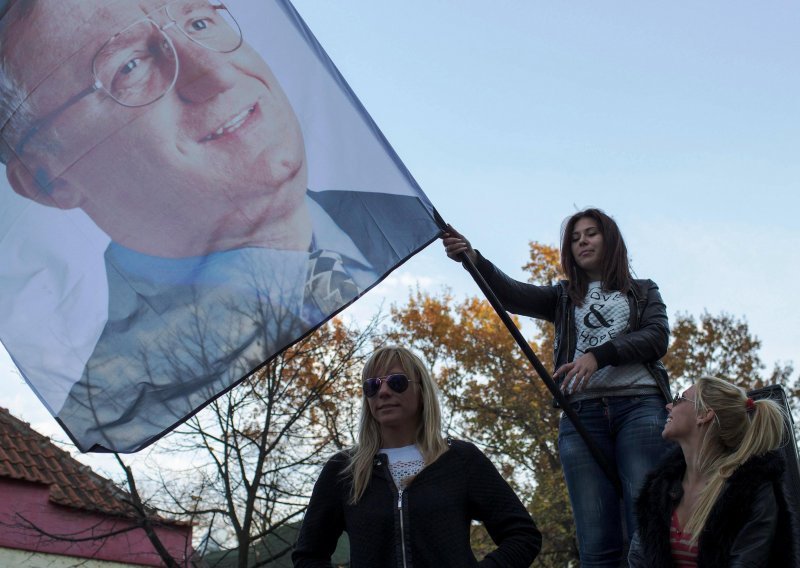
x=191, y=187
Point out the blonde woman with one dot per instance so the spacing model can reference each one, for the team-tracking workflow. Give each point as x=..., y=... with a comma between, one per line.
x=717, y=500
x=405, y=495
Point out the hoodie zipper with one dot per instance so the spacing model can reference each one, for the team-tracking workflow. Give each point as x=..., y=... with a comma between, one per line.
x=380, y=463
x=402, y=526
x=400, y=492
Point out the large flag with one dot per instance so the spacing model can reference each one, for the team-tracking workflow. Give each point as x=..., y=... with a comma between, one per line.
x=195, y=188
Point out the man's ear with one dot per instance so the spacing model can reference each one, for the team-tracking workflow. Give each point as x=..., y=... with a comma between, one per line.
x=38, y=186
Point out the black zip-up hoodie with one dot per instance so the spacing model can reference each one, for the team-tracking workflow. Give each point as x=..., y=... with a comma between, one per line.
x=427, y=525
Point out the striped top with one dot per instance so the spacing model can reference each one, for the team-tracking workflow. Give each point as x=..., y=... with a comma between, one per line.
x=684, y=553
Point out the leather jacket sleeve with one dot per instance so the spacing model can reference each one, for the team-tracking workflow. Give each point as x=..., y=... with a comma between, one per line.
x=323, y=523
x=646, y=344
x=518, y=297
x=752, y=545
x=494, y=503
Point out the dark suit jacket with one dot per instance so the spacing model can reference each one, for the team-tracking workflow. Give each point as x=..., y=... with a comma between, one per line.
x=171, y=345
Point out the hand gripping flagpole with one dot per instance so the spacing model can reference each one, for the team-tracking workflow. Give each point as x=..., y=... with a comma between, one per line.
x=610, y=472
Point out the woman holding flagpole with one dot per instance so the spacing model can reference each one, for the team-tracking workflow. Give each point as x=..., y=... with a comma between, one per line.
x=610, y=332
x=405, y=494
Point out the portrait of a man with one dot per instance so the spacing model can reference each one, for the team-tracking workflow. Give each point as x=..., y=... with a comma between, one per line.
x=163, y=125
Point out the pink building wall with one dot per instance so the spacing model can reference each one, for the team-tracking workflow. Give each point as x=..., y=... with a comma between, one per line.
x=31, y=501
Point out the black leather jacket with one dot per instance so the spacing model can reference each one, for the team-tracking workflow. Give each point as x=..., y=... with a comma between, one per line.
x=427, y=524
x=646, y=342
x=750, y=525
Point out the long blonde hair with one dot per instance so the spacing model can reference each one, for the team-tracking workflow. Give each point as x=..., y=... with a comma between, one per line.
x=740, y=430
x=429, y=437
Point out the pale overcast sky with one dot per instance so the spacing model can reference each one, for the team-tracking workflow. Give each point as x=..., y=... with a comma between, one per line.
x=680, y=119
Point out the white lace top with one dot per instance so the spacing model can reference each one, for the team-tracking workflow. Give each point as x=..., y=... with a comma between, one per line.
x=404, y=463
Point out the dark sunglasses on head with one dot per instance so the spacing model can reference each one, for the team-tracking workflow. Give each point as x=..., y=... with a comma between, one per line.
x=679, y=398
x=397, y=382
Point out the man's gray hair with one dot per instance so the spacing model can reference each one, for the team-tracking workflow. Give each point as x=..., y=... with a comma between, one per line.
x=15, y=114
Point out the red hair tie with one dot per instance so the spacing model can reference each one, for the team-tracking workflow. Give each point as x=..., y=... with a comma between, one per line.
x=750, y=404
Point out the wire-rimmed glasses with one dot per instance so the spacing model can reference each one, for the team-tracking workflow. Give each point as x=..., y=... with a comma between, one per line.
x=139, y=65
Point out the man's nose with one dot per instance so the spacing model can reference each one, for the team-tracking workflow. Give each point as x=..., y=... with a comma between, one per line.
x=202, y=73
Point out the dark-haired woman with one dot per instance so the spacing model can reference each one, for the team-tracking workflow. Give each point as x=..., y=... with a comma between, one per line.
x=610, y=332
x=405, y=495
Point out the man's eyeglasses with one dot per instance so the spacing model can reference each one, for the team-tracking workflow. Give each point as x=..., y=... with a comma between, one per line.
x=679, y=398
x=397, y=382
x=139, y=65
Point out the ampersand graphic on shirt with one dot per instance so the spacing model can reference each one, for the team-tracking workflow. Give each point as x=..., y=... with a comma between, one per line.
x=587, y=319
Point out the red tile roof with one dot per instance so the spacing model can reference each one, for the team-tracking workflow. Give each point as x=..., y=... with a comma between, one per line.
x=27, y=455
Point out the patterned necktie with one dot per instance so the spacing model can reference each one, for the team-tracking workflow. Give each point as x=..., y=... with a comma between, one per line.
x=328, y=284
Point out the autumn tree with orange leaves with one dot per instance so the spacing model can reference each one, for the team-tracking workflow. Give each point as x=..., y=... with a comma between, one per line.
x=496, y=400
x=721, y=345
x=257, y=450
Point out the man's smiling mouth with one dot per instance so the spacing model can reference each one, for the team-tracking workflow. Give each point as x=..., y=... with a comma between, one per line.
x=232, y=125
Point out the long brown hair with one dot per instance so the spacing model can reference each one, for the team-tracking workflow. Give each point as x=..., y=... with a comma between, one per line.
x=615, y=270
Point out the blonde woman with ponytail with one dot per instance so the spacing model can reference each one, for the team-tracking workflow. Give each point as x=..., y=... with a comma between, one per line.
x=717, y=500
x=405, y=495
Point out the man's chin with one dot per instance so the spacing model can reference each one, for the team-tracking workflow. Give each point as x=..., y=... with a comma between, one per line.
x=280, y=174
x=262, y=172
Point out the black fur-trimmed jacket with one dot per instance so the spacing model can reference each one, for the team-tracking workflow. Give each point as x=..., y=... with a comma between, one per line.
x=750, y=525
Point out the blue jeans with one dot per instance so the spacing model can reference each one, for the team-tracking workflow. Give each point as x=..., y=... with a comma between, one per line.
x=627, y=430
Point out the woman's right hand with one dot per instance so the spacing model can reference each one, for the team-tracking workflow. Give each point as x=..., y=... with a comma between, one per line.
x=455, y=243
